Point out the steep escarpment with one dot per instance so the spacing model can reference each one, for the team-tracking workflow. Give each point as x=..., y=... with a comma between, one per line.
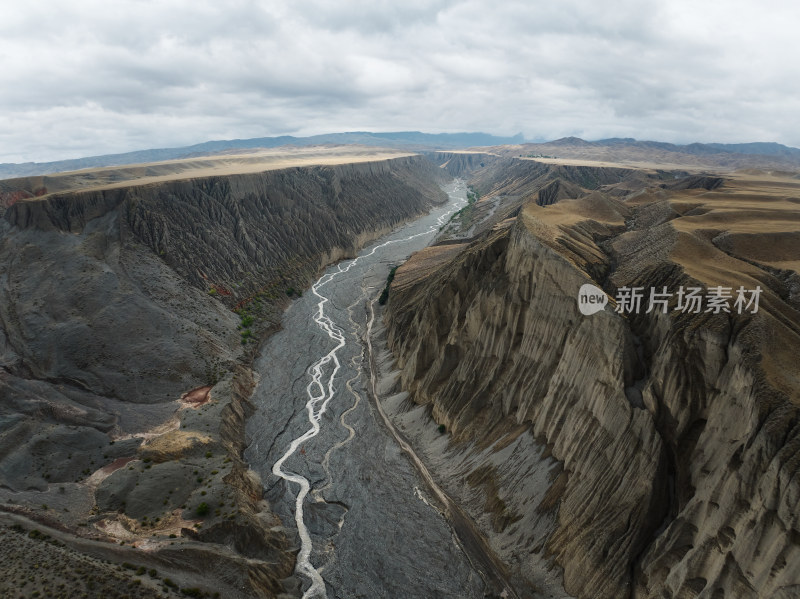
x=504, y=185
x=676, y=433
x=459, y=164
x=257, y=232
x=128, y=295
x=486, y=361
x=121, y=359
x=522, y=177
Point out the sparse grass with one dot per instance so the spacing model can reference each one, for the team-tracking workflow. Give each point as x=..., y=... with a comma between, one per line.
x=37, y=565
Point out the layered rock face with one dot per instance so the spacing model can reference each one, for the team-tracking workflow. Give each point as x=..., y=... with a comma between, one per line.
x=115, y=302
x=457, y=164
x=251, y=232
x=677, y=433
x=108, y=290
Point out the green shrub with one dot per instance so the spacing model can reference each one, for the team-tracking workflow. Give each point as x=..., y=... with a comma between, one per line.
x=202, y=509
x=384, y=297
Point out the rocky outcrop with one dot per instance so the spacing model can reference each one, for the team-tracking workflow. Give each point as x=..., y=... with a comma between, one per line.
x=676, y=434
x=459, y=164
x=256, y=533
x=501, y=346
x=696, y=182
x=506, y=184
x=522, y=177
x=558, y=190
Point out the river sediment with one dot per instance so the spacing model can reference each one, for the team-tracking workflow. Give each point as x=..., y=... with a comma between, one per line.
x=374, y=528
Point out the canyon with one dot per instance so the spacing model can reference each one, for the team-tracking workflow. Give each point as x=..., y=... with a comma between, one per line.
x=171, y=332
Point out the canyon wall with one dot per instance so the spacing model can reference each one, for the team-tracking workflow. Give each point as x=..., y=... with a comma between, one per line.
x=676, y=434
x=115, y=302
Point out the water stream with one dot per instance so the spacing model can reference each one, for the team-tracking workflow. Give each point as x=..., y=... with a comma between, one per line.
x=365, y=526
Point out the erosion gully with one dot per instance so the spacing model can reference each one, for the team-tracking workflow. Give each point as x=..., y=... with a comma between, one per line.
x=370, y=520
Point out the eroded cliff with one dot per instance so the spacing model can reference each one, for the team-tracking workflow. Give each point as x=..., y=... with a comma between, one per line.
x=676, y=433
x=115, y=303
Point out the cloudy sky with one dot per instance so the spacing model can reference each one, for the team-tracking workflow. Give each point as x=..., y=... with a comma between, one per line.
x=93, y=77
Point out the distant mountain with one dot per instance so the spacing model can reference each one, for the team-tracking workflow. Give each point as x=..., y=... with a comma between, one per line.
x=760, y=155
x=772, y=149
x=417, y=141
x=412, y=140
x=570, y=141
x=761, y=149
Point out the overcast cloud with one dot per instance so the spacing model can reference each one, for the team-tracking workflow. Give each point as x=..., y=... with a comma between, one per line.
x=90, y=77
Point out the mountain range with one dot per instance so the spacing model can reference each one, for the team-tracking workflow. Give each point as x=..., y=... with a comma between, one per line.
x=408, y=140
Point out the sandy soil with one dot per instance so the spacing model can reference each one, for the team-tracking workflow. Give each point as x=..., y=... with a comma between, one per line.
x=645, y=165
x=196, y=397
x=744, y=233
x=217, y=165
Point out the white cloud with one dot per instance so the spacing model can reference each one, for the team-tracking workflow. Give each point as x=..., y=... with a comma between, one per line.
x=95, y=77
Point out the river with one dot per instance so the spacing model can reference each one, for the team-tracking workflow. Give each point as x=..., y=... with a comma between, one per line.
x=366, y=524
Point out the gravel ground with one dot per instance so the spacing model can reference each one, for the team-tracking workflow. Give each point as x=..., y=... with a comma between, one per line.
x=375, y=532
x=36, y=565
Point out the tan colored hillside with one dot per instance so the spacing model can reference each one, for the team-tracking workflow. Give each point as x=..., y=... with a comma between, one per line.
x=240, y=162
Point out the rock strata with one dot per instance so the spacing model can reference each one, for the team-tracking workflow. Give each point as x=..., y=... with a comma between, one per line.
x=675, y=433
x=114, y=303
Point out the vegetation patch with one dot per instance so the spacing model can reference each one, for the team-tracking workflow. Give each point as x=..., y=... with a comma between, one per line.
x=384, y=297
